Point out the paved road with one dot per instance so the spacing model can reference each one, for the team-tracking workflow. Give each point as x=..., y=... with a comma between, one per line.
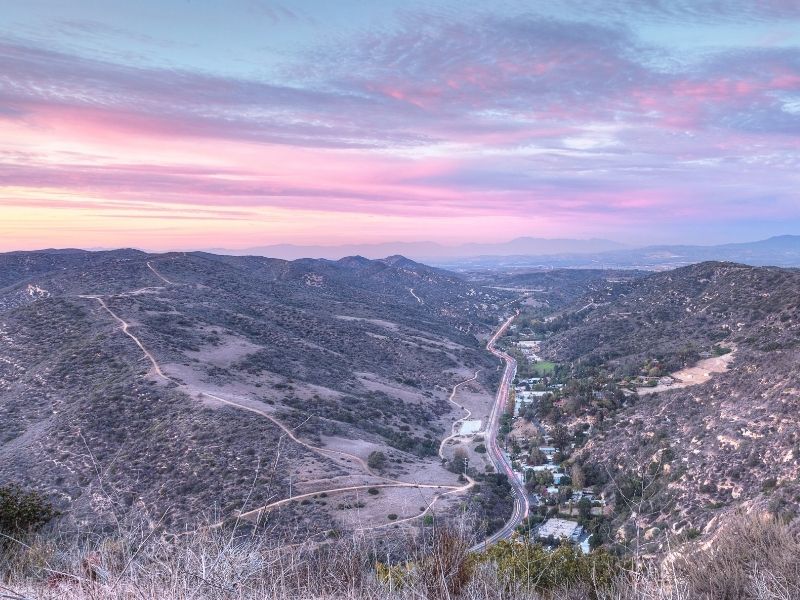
x=499, y=460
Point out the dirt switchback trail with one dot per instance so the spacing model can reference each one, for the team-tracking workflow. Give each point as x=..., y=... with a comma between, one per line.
x=389, y=483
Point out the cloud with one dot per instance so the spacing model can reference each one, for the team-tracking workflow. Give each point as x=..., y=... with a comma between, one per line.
x=435, y=118
x=691, y=11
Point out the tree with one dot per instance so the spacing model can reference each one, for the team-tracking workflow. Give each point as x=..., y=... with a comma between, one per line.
x=459, y=462
x=584, y=510
x=561, y=437
x=578, y=477
x=376, y=460
x=536, y=457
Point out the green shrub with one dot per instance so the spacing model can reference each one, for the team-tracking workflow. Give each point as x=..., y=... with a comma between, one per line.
x=21, y=511
x=376, y=460
x=535, y=568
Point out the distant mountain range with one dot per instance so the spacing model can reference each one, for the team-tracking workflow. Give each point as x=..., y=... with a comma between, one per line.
x=530, y=252
x=430, y=251
x=780, y=251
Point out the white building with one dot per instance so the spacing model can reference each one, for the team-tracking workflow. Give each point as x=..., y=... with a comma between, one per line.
x=560, y=529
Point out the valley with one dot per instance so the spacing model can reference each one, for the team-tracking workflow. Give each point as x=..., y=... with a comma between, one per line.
x=363, y=434
x=312, y=398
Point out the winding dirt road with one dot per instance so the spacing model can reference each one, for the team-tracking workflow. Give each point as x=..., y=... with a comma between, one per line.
x=451, y=400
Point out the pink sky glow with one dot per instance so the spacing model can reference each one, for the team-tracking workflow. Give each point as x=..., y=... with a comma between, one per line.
x=476, y=127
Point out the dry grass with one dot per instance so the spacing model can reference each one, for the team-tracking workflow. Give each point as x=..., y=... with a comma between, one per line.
x=750, y=559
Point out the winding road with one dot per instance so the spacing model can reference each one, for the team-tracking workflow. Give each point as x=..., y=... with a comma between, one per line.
x=501, y=463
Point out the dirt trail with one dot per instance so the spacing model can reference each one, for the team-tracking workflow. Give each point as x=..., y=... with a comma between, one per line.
x=159, y=275
x=125, y=329
x=326, y=452
x=451, y=400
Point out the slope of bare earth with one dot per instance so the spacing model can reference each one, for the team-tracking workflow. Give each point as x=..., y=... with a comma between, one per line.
x=700, y=372
x=192, y=387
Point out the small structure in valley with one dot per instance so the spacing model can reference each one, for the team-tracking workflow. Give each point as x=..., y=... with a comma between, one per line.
x=560, y=529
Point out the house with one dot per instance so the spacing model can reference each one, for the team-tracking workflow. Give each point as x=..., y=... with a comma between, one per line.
x=524, y=398
x=578, y=495
x=539, y=468
x=560, y=529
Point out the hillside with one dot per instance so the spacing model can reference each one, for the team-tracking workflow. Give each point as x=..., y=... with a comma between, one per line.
x=675, y=460
x=240, y=381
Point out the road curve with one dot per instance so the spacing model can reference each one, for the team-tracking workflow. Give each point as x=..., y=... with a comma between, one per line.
x=501, y=463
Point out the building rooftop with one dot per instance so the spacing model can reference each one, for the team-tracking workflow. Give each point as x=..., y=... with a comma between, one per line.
x=559, y=528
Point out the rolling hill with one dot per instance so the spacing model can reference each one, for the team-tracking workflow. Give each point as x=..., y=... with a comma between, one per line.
x=190, y=387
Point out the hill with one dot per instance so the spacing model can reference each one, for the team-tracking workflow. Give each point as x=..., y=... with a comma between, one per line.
x=192, y=387
x=696, y=442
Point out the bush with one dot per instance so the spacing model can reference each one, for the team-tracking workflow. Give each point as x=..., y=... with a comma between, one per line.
x=376, y=460
x=23, y=512
x=537, y=569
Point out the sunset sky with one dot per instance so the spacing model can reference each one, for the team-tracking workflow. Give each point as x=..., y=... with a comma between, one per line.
x=168, y=124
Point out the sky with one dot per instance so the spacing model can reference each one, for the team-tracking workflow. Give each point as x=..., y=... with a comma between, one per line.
x=189, y=124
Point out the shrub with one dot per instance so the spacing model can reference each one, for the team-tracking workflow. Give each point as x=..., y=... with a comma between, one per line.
x=537, y=569
x=23, y=512
x=376, y=460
